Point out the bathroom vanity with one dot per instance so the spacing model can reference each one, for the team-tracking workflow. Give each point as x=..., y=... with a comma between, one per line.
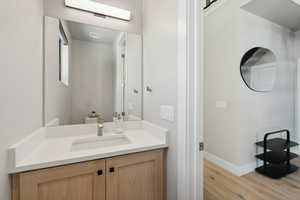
x=72, y=162
x=129, y=177
x=109, y=154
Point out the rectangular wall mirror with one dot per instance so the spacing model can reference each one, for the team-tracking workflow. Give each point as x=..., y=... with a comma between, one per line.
x=90, y=71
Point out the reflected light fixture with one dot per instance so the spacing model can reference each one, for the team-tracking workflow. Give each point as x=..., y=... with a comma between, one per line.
x=99, y=8
x=94, y=35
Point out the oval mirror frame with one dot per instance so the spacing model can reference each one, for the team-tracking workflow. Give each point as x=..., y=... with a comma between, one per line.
x=258, y=69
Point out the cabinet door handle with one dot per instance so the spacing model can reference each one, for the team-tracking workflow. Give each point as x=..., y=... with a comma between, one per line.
x=112, y=170
x=100, y=172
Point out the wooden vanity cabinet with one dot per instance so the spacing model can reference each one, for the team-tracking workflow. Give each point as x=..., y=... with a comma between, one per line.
x=135, y=177
x=130, y=177
x=71, y=182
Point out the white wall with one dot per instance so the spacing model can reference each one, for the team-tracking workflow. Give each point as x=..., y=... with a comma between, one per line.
x=57, y=9
x=160, y=73
x=92, y=80
x=57, y=94
x=297, y=97
x=21, y=69
x=230, y=133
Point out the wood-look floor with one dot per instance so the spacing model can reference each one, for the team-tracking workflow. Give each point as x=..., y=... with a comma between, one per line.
x=222, y=185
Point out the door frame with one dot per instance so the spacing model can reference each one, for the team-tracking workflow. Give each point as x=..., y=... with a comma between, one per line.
x=190, y=100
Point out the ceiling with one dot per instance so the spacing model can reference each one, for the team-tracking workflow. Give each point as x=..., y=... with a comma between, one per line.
x=91, y=33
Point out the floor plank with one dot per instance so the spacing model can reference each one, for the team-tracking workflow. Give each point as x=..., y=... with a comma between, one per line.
x=222, y=185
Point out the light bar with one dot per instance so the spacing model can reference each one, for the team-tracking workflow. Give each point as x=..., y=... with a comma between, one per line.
x=99, y=8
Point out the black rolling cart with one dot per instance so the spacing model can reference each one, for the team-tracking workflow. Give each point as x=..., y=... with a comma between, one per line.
x=276, y=156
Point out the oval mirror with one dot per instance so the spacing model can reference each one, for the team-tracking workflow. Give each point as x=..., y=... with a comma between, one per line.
x=258, y=69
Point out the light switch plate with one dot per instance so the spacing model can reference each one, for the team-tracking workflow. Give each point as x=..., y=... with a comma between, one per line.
x=167, y=112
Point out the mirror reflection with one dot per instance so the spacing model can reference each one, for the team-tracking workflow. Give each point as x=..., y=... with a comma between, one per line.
x=258, y=69
x=92, y=74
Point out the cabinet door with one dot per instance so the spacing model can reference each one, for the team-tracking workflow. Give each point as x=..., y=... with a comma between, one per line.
x=135, y=177
x=83, y=181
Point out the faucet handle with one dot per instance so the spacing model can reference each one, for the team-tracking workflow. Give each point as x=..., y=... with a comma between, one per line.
x=100, y=129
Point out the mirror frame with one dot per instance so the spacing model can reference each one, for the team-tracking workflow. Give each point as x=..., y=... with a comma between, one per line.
x=240, y=68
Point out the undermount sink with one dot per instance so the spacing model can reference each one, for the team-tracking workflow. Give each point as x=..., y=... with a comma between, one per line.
x=99, y=142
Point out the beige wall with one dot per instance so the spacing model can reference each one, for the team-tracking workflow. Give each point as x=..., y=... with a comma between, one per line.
x=56, y=8
x=221, y=83
x=21, y=69
x=57, y=94
x=297, y=97
x=160, y=73
x=92, y=80
x=230, y=133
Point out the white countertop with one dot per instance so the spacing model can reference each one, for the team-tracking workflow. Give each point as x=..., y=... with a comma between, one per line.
x=52, y=146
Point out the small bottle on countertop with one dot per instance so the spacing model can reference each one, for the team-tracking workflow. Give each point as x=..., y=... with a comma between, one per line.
x=115, y=117
x=118, y=124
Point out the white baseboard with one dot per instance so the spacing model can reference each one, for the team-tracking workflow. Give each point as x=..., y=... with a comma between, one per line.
x=248, y=168
x=234, y=169
x=54, y=122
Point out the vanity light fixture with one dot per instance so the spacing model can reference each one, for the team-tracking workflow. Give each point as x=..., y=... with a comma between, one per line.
x=99, y=8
